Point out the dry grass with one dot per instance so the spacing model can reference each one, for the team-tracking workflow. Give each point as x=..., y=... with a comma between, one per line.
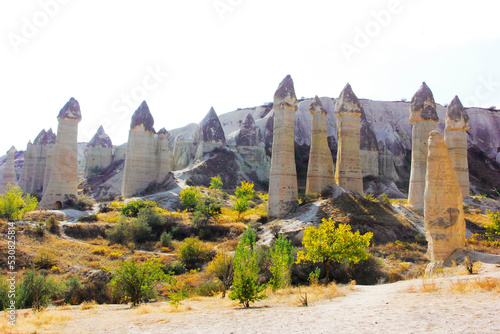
x=144, y=309
x=425, y=287
x=37, y=322
x=88, y=305
x=486, y=284
x=291, y=295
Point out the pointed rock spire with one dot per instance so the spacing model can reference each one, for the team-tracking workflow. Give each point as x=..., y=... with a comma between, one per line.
x=40, y=138
x=348, y=102
x=50, y=137
x=143, y=116
x=163, y=131
x=211, y=129
x=284, y=97
x=456, y=116
x=250, y=134
x=12, y=150
x=100, y=139
x=317, y=107
x=71, y=110
x=422, y=106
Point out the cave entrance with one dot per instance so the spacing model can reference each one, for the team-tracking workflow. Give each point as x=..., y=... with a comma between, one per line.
x=58, y=205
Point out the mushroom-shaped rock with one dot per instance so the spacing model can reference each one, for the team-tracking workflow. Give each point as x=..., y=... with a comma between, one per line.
x=142, y=116
x=249, y=134
x=163, y=131
x=283, y=189
x=71, y=110
x=211, y=130
x=443, y=211
x=100, y=139
x=456, y=116
x=422, y=106
x=99, y=153
x=348, y=110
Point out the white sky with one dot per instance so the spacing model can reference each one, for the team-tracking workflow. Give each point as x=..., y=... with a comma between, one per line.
x=99, y=51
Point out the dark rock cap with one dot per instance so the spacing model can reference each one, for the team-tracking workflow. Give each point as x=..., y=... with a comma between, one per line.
x=50, y=137
x=422, y=106
x=100, y=139
x=39, y=140
x=211, y=129
x=284, y=97
x=143, y=116
x=348, y=102
x=317, y=107
x=163, y=131
x=250, y=134
x=71, y=110
x=456, y=116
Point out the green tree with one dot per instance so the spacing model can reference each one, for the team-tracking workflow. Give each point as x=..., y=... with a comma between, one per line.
x=245, y=287
x=282, y=260
x=216, y=183
x=222, y=268
x=493, y=227
x=327, y=243
x=14, y=204
x=140, y=231
x=119, y=233
x=153, y=219
x=190, y=197
x=206, y=209
x=245, y=191
x=137, y=281
x=35, y=290
x=132, y=208
x=241, y=206
x=192, y=252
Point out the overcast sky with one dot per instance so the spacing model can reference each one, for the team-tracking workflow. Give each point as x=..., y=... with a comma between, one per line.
x=183, y=57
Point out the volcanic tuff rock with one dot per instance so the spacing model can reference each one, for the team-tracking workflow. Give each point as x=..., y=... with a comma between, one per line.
x=424, y=118
x=368, y=148
x=9, y=172
x=283, y=189
x=100, y=139
x=348, y=110
x=443, y=210
x=320, y=172
x=457, y=123
x=142, y=116
x=250, y=134
x=99, y=152
x=211, y=130
x=71, y=110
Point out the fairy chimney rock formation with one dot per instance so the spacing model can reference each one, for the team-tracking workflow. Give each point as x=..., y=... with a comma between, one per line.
x=424, y=119
x=320, y=171
x=63, y=180
x=348, y=111
x=210, y=135
x=283, y=189
x=99, y=153
x=368, y=147
x=457, y=123
x=9, y=172
x=141, y=160
x=163, y=155
x=443, y=209
x=250, y=134
x=47, y=153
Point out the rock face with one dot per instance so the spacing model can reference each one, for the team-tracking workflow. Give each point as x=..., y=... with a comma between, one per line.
x=283, y=189
x=348, y=111
x=424, y=119
x=250, y=134
x=320, y=171
x=211, y=134
x=47, y=156
x=9, y=172
x=368, y=148
x=444, y=218
x=63, y=181
x=147, y=159
x=457, y=123
x=99, y=153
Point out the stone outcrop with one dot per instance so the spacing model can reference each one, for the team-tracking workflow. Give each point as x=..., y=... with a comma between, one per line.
x=320, y=171
x=443, y=209
x=9, y=171
x=47, y=156
x=368, y=147
x=457, y=123
x=283, y=189
x=250, y=134
x=183, y=153
x=348, y=111
x=63, y=181
x=424, y=119
x=147, y=159
x=211, y=134
x=99, y=153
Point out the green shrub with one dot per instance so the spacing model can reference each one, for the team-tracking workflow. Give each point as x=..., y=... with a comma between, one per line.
x=72, y=292
x=385, y=199
x=192, y=252
x=14, y=204
x=139, y=231
x=166, y=239
x=153, y=219
x=88, y=219
x=39, y=229
x=282, y=260
x=35, y=291
x=132, y=209
x=314, y=276
x=175, y=268
x=190, y=197
x=53, y=225
x=493, y=227
x=222, y=268
x=216, y=183
x=44, y=260
x=209, y=289
x=206, y=209
x=118, y=234
x=4, y=293
x=241, y=206
x=245, y=190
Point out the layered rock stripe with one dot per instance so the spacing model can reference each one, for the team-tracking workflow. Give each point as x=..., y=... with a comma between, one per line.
x=320, y=171
x=63, y=180
x=424, y=118
x=283, y=189
x=457, y=125
x=443, y=209
x=348, y=111
x=9, y=172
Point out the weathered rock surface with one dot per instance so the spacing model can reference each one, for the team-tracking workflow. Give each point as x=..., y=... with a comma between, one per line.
x=368, y=148
x=9, y=172
x=348, y=110
x=457, y=123
x=424, y=119
x=211, y=134
x=250, y=134
x=283, y=189
x=443, y=211
x=320, y=171
x=63, y=180
x=99, y=153
x=163, y=155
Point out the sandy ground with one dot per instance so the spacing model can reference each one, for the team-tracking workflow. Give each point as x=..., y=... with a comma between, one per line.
x=391, y=308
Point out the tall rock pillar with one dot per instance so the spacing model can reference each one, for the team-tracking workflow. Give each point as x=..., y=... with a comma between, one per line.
x=424, y=119
x=283, y=189
x=9, y=172
x=443, y=210
x=28, y=171
x=99, y=153
x=320, y=171
x=457, y=123
x=163, y=155
x=63, y=182
x=348, y=110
